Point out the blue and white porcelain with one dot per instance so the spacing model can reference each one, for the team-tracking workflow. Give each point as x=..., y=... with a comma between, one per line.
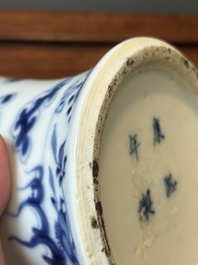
x=53, y=129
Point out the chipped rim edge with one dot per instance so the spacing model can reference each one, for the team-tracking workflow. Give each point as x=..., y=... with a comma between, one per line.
x=91, y=113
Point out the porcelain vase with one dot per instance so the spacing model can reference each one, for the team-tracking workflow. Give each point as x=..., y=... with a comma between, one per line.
x=101, y=165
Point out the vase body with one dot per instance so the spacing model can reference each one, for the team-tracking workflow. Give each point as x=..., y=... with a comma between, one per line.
x=56, y=136
x=39, y=117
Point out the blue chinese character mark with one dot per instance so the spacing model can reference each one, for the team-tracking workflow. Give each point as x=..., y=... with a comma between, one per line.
x=170, y=185
x=145, y=206
x=134, y=145
x=158, y=136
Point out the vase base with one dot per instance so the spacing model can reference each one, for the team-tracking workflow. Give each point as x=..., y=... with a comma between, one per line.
x=139, y=126
x=147, y=171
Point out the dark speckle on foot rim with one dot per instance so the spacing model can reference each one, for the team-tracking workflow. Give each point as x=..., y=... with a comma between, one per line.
x=186, y=63
x=95, y=169
x=106, y=247
x=124, y=72
x=110, y=89
x=94, y=222
x=95, y=181
x=99, y=208
x=130, y=62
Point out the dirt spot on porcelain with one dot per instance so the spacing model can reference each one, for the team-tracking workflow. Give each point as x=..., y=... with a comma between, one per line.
x=95, y=170
x=130, y=62
x=101, y=224
x=186, y=63
x=94, y=222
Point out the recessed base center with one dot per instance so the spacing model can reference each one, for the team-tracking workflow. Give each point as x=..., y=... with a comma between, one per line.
x=149, y=171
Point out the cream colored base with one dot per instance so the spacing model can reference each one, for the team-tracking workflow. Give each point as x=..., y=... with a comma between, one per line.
x=170, y=235
x=109, y=182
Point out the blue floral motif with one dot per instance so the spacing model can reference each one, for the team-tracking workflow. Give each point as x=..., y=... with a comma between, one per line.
x=70, y=96
x=28, y=117
x=39, y=235
x=6, y=99
x=63, y=249
x=62, y=225
x=60, y=159
x=61, y=246
x=37, y=192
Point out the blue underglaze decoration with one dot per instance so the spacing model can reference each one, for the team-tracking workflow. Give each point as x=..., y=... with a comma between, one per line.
x=36, y=193
x=12, y=80
x=59, y=158
x=145, y=206
x=39, y=235
x=170, y=185
x=70, y=96
x=62, y=225
x=134, y=145
x=62, y=248
x=6, y=99
x=28, y=117
x=158, y=136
